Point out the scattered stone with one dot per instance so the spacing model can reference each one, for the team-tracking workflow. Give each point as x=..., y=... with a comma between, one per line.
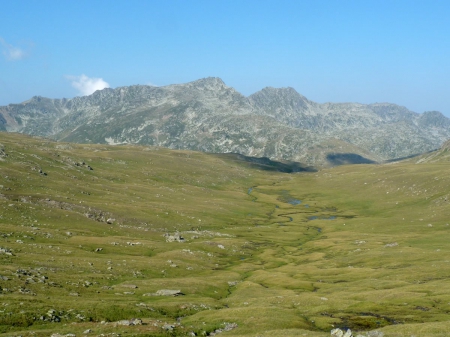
x=98, y=250
x=172, y=238
x=52, y=316
x=87, y=331
x=168, y=327
x=132, y=286
x=393, y=244
x=2, y=151
x=80, y=317
x=129, y=322
x=227, y=327
x=6, y=251
x=26, y=291
x=110, y=221
x=340, y=333
x=221, y=246
x=23, y=272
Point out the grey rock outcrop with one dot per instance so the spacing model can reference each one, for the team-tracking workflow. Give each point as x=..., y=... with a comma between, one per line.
x=165, y=292
x=129, y=322
x=174, y=238
x=348, y=333
x=340, y=333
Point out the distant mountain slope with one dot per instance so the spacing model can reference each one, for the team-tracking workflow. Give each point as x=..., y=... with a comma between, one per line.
x=441, y=155
x=209, y=116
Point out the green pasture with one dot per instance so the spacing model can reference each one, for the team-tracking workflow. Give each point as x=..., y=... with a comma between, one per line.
x=87, y=232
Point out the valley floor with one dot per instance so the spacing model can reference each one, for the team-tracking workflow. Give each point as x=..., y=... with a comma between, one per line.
x=127, y=240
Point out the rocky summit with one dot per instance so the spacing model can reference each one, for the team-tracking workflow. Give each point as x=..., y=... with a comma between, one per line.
x=209, y=116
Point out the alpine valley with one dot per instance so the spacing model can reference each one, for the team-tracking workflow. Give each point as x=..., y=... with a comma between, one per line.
x=150, y=238
x=206, y=115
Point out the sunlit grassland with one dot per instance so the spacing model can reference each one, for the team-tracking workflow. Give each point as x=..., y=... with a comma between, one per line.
x=362, y=247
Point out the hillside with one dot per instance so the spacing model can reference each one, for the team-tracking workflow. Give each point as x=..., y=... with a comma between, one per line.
x=138, y=240
x=206, y=115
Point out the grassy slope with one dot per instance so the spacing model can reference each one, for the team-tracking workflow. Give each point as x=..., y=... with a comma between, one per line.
x=366, y=248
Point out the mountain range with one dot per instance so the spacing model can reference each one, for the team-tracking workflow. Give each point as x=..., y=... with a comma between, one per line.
x=209, y=116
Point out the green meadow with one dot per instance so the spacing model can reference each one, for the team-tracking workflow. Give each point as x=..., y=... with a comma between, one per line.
x=92, y=235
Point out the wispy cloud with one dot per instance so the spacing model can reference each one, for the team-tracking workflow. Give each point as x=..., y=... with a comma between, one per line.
x=87, y=85
x=11, y=52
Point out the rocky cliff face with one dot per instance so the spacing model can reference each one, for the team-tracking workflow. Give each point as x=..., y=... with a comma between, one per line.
x=209, y=116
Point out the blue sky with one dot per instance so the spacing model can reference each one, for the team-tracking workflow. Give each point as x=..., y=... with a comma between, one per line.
x=330, y=51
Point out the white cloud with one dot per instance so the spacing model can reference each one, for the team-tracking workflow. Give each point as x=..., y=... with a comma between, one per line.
x=11, y=52
x=87, y=85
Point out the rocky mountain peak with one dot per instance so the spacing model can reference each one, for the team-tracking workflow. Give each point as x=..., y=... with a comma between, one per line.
x=434, y=119
x=209, y=83
x=207, y=115
x=277, y=99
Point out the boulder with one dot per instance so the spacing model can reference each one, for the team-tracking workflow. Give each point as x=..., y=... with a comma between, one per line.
x=340, y=333
x=165, y=292
x=168, y=292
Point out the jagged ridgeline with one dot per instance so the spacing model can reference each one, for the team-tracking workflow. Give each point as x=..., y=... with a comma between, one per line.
x=206, y=115
x=135, y=240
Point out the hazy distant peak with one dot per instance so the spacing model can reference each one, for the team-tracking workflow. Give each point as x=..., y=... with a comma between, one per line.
x=209, y=82
x=434, y=118
x=37, y=100
x=279, y=97
x=283, y=90
x=433, y=113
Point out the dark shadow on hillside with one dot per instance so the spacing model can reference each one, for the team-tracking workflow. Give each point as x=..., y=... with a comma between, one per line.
x=267, y=164
x=336, y=159
x=408, y=157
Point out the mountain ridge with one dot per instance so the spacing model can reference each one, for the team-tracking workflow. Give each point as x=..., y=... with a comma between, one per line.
x=208, y=115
